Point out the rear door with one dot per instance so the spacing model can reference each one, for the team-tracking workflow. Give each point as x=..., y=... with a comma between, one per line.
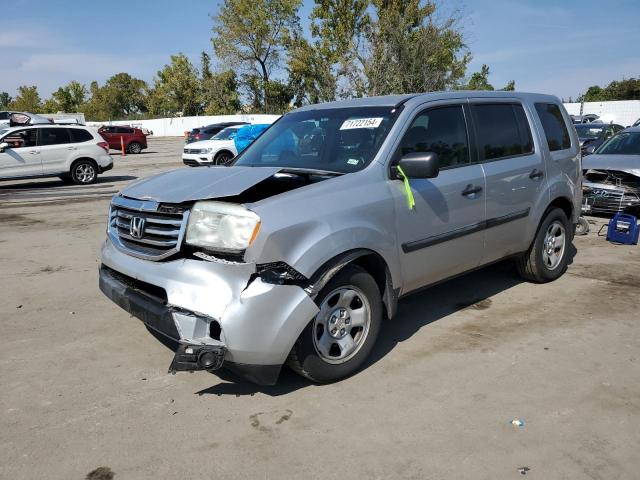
x=514, y=170
x=55, y=149
x=442, y=236
x=22, y=157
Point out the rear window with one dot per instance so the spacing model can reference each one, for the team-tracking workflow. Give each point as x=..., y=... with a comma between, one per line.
x=54, y=136
x=503, y=130
x=79, y=135
x=554, y=127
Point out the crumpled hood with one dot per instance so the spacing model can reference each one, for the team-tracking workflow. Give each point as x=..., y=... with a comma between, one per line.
x=189, y=184
x=624, y=163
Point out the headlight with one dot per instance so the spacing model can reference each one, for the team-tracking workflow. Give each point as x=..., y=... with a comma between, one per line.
x=222, y=226
x=208, y=150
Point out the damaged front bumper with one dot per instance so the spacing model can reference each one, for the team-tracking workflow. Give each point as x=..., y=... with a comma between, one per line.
x=249, y=326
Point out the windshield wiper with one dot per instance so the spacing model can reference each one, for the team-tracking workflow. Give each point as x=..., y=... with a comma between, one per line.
x=310, y=171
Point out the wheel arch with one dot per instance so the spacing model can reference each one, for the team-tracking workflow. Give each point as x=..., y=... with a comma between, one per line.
x=564, y=204
x=370, y=261
x=223, y=150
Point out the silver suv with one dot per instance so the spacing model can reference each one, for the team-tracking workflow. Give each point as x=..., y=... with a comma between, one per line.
x=74, y=153
x=297, y=251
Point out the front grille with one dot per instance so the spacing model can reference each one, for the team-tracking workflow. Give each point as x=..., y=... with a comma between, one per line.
x=146, y=229
x=610, y=200
x=196, y=151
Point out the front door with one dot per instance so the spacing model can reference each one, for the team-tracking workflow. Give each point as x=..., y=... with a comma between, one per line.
x=442, y=236
x=22, y=157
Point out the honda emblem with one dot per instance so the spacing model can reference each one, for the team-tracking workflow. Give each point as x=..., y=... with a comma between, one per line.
x=136, y=229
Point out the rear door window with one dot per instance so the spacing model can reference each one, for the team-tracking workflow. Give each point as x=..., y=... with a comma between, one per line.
x=503, y=130
x=554, y=127
x=54, y=136
x=441, y=130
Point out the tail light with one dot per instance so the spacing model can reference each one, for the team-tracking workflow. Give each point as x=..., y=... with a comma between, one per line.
x=104, y=145
x=197, y=136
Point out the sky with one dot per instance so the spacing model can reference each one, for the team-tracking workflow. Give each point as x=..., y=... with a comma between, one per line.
x=557, y=47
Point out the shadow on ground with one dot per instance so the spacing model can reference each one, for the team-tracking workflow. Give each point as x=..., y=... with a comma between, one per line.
x=472, y=290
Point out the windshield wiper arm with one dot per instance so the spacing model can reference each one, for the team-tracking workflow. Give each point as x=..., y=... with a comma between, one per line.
x=310, y=171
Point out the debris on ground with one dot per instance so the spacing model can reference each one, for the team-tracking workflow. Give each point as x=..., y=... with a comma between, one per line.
x=516, y=422
x=524, y=470
x=100, y=473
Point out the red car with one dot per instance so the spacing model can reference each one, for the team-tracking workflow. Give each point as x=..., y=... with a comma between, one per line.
x=134, y=140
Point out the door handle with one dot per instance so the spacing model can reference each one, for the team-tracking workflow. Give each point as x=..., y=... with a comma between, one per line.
x=72, y=148
x=34, y=152
x=536, y=174
x=471, y=190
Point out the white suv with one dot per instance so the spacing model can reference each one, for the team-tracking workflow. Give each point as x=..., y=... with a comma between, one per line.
x=73, y=153
x=219, y=150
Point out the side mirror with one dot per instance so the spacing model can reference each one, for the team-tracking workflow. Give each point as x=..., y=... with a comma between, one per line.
x=420, y=164
x=3, y=146
x=589, y=149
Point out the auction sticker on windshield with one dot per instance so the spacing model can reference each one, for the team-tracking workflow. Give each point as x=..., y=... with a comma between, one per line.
x=361, y=123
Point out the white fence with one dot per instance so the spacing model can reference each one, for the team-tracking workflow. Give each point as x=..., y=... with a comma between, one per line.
x=622, y=112
x=175, y=127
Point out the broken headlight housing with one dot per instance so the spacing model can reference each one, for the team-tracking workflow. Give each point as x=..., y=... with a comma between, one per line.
x=280, y=273
x=221, y=227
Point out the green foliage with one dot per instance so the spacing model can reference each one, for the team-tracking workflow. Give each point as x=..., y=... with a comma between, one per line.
x=251, y=36
x=177, y=89
x=122, y=96
x=70, y=98
x=480, y=81
x=5, y=100
x=28, y=100
x=220, y=93
x=413, y=49
x=627, y=89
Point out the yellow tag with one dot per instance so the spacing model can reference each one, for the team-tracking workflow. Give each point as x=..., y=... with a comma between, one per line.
x=411, y=203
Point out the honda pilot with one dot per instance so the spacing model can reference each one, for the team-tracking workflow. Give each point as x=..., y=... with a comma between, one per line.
x=297, y=251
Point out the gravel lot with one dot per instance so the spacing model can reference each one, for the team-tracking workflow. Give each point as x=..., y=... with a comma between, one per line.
x=84, y=385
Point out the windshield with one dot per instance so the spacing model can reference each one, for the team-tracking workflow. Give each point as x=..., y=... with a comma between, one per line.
x=3, y=131
x=225, y=134
x=626, y=143
x=586, y=130
x=338, y=140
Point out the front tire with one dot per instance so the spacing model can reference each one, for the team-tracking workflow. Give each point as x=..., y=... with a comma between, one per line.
x=547, y=257
x=84, y=172
x=222, y=158
x=335, y=344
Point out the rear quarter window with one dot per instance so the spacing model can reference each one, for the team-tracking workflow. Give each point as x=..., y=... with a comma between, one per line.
x=503, y=130
x=554, y=126
x=79, y=135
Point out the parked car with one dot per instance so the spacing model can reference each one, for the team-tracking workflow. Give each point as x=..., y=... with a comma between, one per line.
x=296, y=252
x=592, y=135
x=612, y=175
x=222, y=147
x=134, y=139
x=589, y=118
x=73, y=153
x=208, y=131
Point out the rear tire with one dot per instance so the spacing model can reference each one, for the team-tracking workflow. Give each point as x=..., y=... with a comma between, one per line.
x=134, y=147
x=336, y=343
x=84, y=172
x=547, y=257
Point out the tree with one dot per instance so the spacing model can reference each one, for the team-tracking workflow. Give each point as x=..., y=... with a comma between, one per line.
x=220, y=93
x=480, y=81
x=411, y=51
x=5, y=100
x=70, y=98
x=28, y=100
x=627, y=89
x=205, y=66
x=330, y=65
x=251, y=35
x=177, y=89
